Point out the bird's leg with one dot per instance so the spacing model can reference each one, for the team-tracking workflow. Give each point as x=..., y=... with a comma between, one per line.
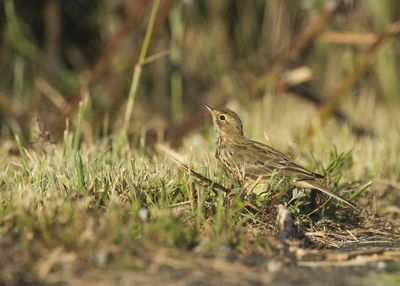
x=313, y=198
x=234, y=191
x=278, y=196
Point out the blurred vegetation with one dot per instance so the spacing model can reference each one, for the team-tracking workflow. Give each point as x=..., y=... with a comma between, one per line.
x=86, y=86
x=53, y=51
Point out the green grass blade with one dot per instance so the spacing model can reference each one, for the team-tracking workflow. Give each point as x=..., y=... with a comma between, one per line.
x=77, y=134
x=79, y=170
x=138, y=68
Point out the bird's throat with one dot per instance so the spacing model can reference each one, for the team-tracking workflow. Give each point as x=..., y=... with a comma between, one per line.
x=225, y=138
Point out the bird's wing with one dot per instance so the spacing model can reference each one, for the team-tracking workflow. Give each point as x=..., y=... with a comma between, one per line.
x=259, y=160
x=263, y=160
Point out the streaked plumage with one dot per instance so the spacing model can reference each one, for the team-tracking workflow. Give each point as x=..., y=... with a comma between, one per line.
x=244, y=159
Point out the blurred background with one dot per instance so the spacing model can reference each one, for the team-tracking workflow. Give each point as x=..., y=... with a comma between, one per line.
x=231, y=52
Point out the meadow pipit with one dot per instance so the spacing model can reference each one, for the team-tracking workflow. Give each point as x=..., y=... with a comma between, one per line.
x=247, y=160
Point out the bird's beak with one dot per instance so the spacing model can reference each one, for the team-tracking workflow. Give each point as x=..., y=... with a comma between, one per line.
x=209, y=109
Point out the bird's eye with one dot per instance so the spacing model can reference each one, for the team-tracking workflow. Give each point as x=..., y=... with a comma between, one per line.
x=222, y=117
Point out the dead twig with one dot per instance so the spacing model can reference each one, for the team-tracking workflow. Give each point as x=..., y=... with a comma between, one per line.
x=209, y=182
x=322, y=258
x=51, y=93
x=348, y=38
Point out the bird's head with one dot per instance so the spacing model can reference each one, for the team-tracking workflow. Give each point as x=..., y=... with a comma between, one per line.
x=226, y=122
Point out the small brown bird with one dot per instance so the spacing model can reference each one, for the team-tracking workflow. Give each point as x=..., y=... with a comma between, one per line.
x=247, y=160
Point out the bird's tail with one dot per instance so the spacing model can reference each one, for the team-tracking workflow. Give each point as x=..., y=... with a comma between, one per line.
x=316, y=185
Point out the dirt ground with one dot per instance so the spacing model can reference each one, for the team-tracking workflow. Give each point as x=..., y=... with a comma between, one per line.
x=247, y=270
